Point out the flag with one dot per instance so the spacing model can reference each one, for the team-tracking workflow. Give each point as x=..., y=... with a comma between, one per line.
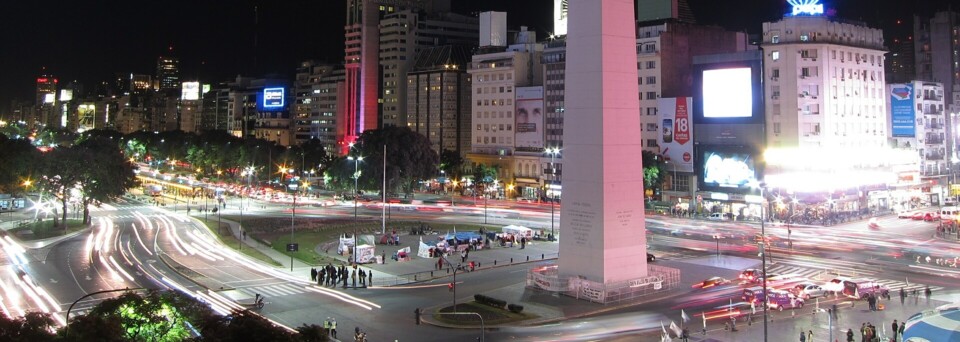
x=683, y=316
x=664, y=329
x=704, y=320
x=676, y=330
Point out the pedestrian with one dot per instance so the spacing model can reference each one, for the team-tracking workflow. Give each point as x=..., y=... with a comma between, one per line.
x=863, y=332
x=810, y=335
x=353, y=274
x=803, y=337
x=313, y=274
x=894, y=328
x=333, y=327
x=849, y=335
x=416, y=313
x=903, y=325
x=363, y=278
x=903, y=295
x=685, y=335
x=326, y=326
x=927, y=292
x=370, y=277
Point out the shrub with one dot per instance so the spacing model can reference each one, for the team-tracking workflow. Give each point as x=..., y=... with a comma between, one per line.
x=514, y=308
x=494, y=302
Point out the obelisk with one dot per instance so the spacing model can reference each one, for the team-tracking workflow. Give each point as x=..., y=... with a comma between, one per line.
x=602, y=231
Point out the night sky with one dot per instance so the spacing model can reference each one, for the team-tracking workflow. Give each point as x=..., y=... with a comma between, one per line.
x=90, y=41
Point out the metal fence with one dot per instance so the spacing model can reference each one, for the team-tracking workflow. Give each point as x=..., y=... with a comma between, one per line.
x=447, y=271
x=659, y=279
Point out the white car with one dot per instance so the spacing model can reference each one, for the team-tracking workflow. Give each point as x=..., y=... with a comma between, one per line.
x=905, y=214
x=717, y=216
x=835, y=284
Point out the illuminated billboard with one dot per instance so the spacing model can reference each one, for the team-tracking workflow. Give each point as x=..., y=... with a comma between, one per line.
x=806, y=7
x=529, y=124
x=49, y=98
x=66, y=94
x=903, y=123
x=560, y=17
x=190, y=91
x=273, y=98
x=727, y=93
x=727, y=168
x=676, y=132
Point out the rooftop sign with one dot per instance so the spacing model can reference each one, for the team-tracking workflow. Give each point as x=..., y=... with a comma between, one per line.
x=806, y=7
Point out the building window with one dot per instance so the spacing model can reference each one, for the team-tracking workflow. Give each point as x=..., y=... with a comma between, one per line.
x=651, y=127
x=651, y=142
x=651, y=80
x=776, y=128
x=651, y=64
x=775, y=73
x=651, y=95
x=775, y=39
x=775, y=55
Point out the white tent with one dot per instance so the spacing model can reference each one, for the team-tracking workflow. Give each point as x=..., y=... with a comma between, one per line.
x=424, y=251
x=518, y=230
x=365, y=254
x=347, y=243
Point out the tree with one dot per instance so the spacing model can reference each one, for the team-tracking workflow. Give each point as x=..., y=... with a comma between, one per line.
x=653, y=170
x=452, y=163
x=410, y=157
x=62, y=171
x=19, y=165
x=32, y=327
x=110, y=179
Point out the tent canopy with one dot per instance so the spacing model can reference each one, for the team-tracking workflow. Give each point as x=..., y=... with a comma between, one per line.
x=518, y=230
x=934, y=326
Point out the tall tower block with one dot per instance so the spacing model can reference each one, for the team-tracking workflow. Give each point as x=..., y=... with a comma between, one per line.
x=602, y=230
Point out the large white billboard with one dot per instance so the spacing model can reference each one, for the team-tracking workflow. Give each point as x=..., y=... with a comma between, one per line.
x=727, y=93
x=529, y=125
x=560, y=17
x=676, y=132
x=190, y=91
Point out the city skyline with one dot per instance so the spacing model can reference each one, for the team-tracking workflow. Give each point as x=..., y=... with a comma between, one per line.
x=214, y=42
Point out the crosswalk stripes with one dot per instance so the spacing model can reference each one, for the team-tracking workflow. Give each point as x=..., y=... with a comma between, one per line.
x=276, y=290
x=820, y=276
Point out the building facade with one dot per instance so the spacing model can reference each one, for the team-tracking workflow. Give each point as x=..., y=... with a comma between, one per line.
x=438, y=98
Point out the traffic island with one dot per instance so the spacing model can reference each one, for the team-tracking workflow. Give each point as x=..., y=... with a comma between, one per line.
x=491, y=316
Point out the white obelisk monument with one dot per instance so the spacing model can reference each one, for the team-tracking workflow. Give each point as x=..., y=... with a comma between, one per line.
x=602, y=231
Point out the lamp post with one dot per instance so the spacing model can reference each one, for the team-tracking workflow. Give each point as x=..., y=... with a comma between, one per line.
x=553, y=151
x=383, y=205
x=356, y=191
x=293, y=210
x=717, y=237
x=763, y=257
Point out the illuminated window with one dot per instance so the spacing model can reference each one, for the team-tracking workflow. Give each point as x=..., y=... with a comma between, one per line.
x=775, y=55
x=775, y=39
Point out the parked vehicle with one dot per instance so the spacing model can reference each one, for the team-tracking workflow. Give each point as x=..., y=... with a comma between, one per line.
x=717, y=216
x=780, y=299
x=861, y=288
x=751, y=275
x=753, y=294
x=808, y=290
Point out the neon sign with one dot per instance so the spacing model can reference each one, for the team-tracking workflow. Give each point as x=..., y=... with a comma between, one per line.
x=806, y=7
x=272, y=97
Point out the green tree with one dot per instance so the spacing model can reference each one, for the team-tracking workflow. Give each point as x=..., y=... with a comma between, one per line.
x=62, y=171
x=410, y=158
x=452, y=164
x=110, y=179
x=654, y=172
x=19, y=164
x=32, y=327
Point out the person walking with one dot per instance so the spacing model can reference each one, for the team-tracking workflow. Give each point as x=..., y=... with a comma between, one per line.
x=903, y=325
x=326, y=326
x=927, y=292
x=863, y=332
x=810, y=335
x=370, y=277
x=313, y=274
x=903, y=295
x=803, y=337
x=894, y=327
x=849, y=335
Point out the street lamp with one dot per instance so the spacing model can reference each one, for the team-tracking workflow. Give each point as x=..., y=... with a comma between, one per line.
x=717, y=237
x=356, y=178
x=553, y=151
x=763, y=256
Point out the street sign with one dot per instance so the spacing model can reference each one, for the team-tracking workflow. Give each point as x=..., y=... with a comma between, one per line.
x=293, y=247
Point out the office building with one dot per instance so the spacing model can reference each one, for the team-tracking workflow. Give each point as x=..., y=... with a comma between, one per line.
x=318, y=88
x=168, y=75
x=438, y=90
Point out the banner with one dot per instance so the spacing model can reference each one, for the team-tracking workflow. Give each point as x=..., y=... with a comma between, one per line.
x=676, y=132
x=903, y=124
x=529, y=124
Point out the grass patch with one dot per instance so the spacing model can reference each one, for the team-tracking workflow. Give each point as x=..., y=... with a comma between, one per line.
x=491, y=315
x=45, y=229
x=226, y=237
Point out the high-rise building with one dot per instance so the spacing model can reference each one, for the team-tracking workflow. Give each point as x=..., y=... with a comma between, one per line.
x=168, y=75
x=318, y=88
x=824, y=81
x=438, y=97
x=900, y=63
x=937, y=57
x=648, y=10
x=362, y=60
x=46, y=104
x=918, y=123
x=215, y=109
x=507, y=111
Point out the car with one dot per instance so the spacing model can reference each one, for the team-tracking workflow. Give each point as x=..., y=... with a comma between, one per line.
x=711, y=282
x=651, y=257
x=905, y=214
x=808, y=290
x=780, y=299
x=917, y=215
x=717, y=217
x=835, y=285
x=751, y=275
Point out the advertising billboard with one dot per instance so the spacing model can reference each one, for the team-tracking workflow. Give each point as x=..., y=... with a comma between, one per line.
x=676, y=132
x=273, y=98
x=560, y=17
x=727, y=93
x=190, y=91
x=66, y=94
x=49, y=98
x=903, y=123
x=529, y=118
x=727, y=168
